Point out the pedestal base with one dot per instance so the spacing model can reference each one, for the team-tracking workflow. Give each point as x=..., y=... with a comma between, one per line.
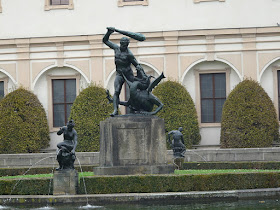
x=65, y=182
x=133, y=170
x=179, y=162
x=132, y=145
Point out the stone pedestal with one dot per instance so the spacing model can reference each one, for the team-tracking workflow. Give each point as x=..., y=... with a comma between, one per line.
x=179, y=163
x=132, y=145
x=65, y=182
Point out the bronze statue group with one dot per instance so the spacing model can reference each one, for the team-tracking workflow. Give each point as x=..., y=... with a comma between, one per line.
x=141, y=100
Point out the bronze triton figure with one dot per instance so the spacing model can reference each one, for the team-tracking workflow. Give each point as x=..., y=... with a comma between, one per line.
x=66, y=149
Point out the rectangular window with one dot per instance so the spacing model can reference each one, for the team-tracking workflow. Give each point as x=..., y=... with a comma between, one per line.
x=59, y=2
x=212, y=96
x=1, y=89
x=198, y=1
x=278, y=83
x=122, y=3
x=64, y=94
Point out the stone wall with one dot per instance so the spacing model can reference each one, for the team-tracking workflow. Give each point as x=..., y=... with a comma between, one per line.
x=44, y=159
x=194, y=155
x=233, y=155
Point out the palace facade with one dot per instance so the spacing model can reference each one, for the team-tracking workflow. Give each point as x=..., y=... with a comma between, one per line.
x=54, y=48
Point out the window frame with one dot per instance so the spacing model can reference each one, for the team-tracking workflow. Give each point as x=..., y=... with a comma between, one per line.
x=198, y=1
x=63, y=102
x=122, y=3
x=5, y=80
x=3, y=89
x=50, y=95
x=212, y=98
x=276, y=94
x=198, y=92
x=48, y=5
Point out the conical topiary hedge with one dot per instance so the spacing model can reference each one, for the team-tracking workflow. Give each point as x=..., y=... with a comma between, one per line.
x=249, y=118
x=23, y=123
x=89, y=108
x=178, y=111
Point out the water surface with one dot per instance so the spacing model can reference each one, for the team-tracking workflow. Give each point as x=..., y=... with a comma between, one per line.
x=272, y=204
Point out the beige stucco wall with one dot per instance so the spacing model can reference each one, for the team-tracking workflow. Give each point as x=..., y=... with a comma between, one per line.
x=24, y=19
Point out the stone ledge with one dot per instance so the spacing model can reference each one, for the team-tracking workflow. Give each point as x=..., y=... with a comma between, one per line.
x=193, y=155
x=102, y=199
x=132, y=170
x=44, y=159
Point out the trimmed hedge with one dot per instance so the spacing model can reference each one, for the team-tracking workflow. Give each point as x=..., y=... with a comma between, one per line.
x=178, y=111
x=23, y=123
x=150, y=183
x=231, y=165
x=38, y=186
x=249, y=118
x=89, y=108
x=180, y=183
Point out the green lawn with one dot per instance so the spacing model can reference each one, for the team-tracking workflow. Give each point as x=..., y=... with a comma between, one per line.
x=85, y=174
x=215, y=171
x=43, y=175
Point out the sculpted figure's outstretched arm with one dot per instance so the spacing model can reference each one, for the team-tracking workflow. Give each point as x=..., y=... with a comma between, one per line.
x=135, y=62
x=140, y=71
x=106, y=38
x=182, y=139
x=61, y=130
x=136, y=36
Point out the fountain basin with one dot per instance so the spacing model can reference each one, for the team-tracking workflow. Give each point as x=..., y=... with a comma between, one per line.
x=102, y=199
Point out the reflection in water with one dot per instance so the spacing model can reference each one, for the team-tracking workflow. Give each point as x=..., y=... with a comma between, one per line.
x=58, y=207
x=225, y=205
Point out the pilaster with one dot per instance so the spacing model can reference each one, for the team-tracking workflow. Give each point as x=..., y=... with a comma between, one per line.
x=171, y=55
x=97, y=70
x=249, y=56
x=23, y=66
